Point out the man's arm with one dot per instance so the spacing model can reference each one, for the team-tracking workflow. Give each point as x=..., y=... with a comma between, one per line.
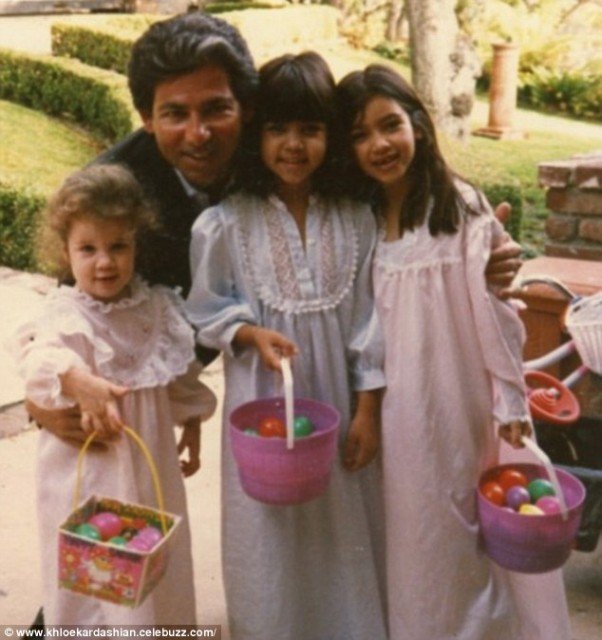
x=63, y=423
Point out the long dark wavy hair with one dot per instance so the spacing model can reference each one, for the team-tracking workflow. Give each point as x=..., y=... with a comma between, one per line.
x=292, y=88
x=431, y=179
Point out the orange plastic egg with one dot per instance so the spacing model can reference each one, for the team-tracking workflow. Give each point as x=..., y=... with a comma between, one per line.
x=494, y=493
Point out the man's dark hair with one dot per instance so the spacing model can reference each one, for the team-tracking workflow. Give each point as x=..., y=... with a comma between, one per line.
x=181, y=45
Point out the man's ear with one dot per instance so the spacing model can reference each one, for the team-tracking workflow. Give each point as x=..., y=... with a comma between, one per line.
x=147, y=121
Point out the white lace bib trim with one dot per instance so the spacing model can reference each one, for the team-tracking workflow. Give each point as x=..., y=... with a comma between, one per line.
x=275, y=277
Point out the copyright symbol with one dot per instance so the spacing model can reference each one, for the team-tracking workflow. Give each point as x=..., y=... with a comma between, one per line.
x=8, y=632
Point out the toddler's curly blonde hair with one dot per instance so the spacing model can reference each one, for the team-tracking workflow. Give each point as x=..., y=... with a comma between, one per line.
x=105, y=192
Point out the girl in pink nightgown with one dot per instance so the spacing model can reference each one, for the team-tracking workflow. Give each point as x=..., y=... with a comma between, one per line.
x=454, y=378
x=124, y=352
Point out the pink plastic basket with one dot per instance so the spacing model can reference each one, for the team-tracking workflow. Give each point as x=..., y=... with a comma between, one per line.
x=272, y=473
x=530, y=544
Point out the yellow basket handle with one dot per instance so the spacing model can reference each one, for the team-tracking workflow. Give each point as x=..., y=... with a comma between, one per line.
x=151, y=465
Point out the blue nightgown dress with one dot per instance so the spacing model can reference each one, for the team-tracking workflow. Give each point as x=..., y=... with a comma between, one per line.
x=313, y=571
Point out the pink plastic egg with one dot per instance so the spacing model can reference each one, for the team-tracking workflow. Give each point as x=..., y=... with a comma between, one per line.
x=549, y=505
x=151, y=535
x=138, y=544
x=109, y=524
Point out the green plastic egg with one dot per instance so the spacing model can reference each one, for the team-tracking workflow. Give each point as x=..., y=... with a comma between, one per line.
x=88, y=530
x=540, y=487
x=302, y=427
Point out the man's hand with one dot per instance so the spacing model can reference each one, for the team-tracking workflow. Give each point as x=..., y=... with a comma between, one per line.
x=504, y=261
x=63, y=423
x=190, y=441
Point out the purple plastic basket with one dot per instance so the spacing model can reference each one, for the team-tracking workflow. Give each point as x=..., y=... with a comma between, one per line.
x=271, y=473
x=530, y=544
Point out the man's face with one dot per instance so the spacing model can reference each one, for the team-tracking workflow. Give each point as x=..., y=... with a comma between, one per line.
x=197, y=122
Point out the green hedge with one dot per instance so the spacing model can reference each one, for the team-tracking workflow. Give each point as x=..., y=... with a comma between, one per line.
x=96, y=48
x=96, y=99
x=19, y=214
x=512, y=194
x=224, y=6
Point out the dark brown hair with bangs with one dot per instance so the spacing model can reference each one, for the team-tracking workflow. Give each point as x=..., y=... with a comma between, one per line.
x=291, y=88
x=432, y=180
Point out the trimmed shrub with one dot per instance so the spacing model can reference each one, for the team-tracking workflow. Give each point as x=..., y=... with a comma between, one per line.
x=94, y=98
x=19, y=214
x=96, y=48
x=106, y=43
x=512, y=194
x=225, y=6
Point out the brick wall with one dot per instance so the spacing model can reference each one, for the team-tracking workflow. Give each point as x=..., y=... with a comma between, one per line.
x=574, y=196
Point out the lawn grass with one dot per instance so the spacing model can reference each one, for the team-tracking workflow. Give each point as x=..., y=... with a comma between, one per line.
x=483, y=160
x=39, y=151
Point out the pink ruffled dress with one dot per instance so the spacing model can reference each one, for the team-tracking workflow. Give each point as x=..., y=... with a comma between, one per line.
x=145, y=343
x=453, y=370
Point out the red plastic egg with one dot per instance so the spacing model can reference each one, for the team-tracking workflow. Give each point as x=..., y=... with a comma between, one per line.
x=272, y=428
x=512, y=478
x=494, y=493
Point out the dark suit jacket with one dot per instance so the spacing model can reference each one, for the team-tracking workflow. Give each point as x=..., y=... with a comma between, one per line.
x=163, y=254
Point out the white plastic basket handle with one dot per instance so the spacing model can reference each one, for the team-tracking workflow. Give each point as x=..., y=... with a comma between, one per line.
x=542, y=456
x=289, y=409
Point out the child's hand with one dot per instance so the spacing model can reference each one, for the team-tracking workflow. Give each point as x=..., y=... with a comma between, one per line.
x=513, y=432
x=361, y=444
x=191, y=440
x=272, y=345
x=97, y=399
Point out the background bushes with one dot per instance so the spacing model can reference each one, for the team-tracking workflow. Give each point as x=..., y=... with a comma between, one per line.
x=19, y=212
x=96, y=48
x=95, y=98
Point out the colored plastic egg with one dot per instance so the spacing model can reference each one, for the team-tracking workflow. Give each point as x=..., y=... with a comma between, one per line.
x=152, y=535
x=494, y=493
x=251, y=432
x=516, y=496
x=109, y=524
x=119, y=541
x=549, y=505
x=88, y=530
x=530, y=510
x=303, y=427
x=512, y=478
x=139, y=544
x=272, y=428
x=539, y=488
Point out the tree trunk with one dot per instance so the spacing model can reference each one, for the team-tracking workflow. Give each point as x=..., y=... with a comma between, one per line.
x=444, y=65
x=395, y=20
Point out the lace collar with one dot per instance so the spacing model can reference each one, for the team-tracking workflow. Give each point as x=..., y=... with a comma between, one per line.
x=139, y=293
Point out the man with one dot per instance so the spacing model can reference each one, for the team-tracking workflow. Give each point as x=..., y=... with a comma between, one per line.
x=193, y=82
